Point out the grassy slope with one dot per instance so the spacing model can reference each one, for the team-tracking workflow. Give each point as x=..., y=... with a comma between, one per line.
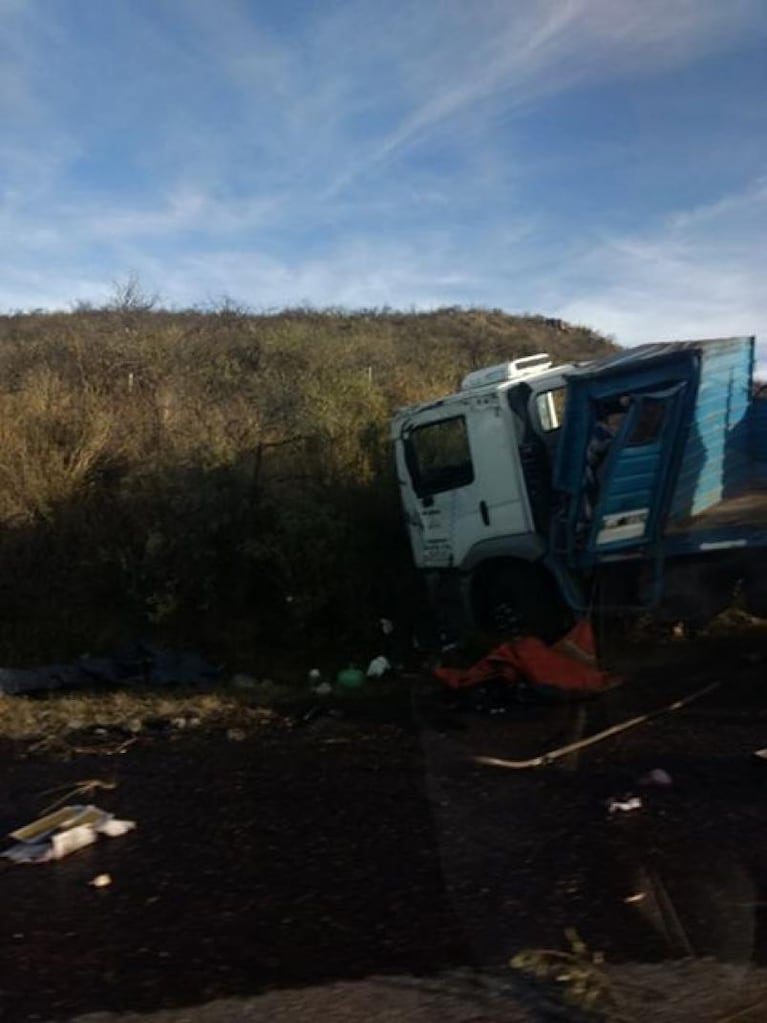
x=189, y=472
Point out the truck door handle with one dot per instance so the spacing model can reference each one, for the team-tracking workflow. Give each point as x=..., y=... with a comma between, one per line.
x=484, y=512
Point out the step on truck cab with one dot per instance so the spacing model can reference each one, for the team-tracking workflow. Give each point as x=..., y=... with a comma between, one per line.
x=638, y=481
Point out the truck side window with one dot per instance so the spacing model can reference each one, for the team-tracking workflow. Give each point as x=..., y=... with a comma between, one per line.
x=440, y=457
x=650, y=423
x=647, y=428
x=550, y=406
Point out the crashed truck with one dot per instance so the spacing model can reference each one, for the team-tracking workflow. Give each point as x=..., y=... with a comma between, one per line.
x=634, y=483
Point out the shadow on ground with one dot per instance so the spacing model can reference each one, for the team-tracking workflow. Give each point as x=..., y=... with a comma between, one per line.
x=348, y=849
x=284, y=860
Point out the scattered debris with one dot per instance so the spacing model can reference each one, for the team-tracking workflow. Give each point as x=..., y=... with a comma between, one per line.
x=577, y=976
x=556, y=754
x=14, y=681
x=657, y=778
x=242, y=681
x=624, y=805
x=320, y=686
x=378, y=667
x=114, y=828
x=58, y=834
x=351, y=677
x=101, y=881
x=65, y=725
x=568, y=665
x=323, y=710
x=236, y=734
x=82, y=788
x=170, y=667
x=312, y=714
x=107, y=743
x=138, y=663
x=66, y=817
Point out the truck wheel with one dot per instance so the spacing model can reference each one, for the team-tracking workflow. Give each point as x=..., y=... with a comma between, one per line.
x=521, y=599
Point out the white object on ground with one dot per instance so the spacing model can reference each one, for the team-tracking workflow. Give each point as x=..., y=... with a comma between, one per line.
x=101, y=881
x=378, y=667
x=114, y=828
x=624, y=805
x=56, y=848
x=65, y=842
x=58, y=834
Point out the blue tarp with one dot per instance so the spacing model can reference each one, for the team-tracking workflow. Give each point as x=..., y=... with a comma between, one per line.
x=137, y=664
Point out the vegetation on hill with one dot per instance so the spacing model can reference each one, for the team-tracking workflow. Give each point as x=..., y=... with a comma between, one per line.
x=218, y=476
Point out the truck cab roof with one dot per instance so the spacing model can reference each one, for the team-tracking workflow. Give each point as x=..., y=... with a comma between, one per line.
x=535, y=371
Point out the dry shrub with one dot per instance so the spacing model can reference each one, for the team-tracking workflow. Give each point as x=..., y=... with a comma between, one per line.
x=52, y=438
x=185, y=470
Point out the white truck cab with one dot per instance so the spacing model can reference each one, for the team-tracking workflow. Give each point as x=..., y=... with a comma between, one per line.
x=469, y=466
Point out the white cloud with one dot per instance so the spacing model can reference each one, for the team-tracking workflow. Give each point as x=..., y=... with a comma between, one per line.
x=53, y=286
x=699, y=275
x=256, y=163
x=511, y=55
x=356, y=273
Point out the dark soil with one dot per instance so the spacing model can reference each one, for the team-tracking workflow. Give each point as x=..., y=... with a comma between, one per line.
x=291, y=858
x=347, y=849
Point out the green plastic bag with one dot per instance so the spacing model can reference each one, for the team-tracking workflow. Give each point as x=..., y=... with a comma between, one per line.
x=350, y=678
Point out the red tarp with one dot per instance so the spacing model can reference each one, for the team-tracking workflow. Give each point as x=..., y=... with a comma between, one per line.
x=570, y=664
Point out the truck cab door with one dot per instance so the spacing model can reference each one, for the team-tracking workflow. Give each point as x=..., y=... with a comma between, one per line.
x=461, y=480
x=618, y=458
x=635, y=479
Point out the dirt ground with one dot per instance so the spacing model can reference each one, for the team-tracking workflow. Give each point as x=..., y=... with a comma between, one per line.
x=369, y=868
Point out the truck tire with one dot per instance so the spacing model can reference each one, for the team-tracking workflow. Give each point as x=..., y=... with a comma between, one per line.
x=517, y=598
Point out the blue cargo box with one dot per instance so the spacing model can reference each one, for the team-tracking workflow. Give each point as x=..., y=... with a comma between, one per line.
x=686, y=468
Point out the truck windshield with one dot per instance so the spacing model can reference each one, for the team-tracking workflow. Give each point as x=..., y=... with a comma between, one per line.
x=439, y=456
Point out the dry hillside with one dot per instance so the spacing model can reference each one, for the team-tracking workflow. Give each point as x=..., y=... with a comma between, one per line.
x=218, y=475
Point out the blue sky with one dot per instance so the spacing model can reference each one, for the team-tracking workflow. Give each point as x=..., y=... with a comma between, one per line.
x=599, y=160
